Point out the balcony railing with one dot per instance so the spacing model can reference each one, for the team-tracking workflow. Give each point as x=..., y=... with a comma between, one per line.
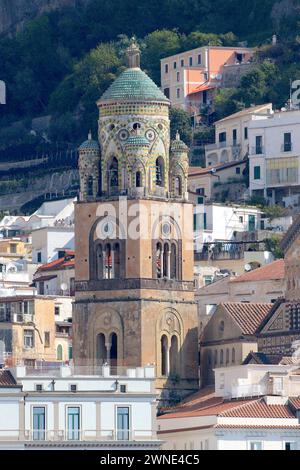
x=287, y=147
x=257, y=150
x=74, y=435
x=227, y=250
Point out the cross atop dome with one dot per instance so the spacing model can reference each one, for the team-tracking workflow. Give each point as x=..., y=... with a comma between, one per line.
x=133, y=54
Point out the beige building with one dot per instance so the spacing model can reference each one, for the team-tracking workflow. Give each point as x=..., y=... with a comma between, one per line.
x=232, y=137
x=189, y=78
x=265, y=284
x=229, y=336
x=209, y=183
x=27, y=330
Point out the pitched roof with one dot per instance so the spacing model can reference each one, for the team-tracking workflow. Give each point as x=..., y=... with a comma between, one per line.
x=248, y=316
x=257, y=358
x=245, y=112
x=6, y=379
x=197, y=406
x=67, y=261
x=203, y=87
x=196, y=170
x=269, y=272
x=258, y=409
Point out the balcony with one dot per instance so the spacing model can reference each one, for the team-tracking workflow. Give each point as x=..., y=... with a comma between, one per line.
x=257, y=150
x=74, y=435
x=287, y=147
x=22, y=318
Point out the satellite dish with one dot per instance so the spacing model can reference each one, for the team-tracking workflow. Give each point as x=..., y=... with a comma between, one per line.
x=64, y=286
x=248, y=267
x=213, y=170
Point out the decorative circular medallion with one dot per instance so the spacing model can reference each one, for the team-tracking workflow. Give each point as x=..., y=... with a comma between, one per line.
x=106, y=229
x=107, y=320
x=123, y=134
x=166, y=229
x=150, y=135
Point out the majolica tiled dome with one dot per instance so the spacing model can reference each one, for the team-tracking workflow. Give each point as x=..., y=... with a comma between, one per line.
x=137, y=140
x=178, y=145
x=133, y=84
x=89, y=144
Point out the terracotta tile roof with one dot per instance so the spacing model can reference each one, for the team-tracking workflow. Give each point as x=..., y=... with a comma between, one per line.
x=6, y=379
x=61, y=263
x=257, y=426
x=202, y=87
x=209, y=407
x=248, y=316
x=196, y=170
x=272, y=271
x=258, y=409
x=295, y=403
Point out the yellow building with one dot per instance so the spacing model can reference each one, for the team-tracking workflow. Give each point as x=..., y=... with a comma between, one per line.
x=27, y=329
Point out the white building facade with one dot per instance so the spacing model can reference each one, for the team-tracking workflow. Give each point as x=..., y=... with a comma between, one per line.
x=254, y=407
x=232, y=136
x=274, y=144
x=62, y=408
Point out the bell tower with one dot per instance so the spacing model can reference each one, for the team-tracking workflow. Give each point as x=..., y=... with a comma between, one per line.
x=134, y=300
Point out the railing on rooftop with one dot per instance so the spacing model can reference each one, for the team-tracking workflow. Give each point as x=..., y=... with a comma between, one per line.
x=74, y=435
x=224, y=250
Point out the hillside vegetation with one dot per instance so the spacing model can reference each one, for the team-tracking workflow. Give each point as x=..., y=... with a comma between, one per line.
x=61, y=62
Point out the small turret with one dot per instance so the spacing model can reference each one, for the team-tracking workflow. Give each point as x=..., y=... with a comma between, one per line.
x=179, y=166
x=89, y=163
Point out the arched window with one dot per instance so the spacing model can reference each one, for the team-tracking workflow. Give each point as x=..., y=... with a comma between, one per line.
x=178, y=186
x=173, y=262
x=166, y=260
x=117, y=260
x=138, y=179
x=222, y=357
x=59, y=352
x=90, y=186
x=174, y=355
x=108, y=268
x=227, y=356
x=159, y=261
x=233, y=356
x=113, y=174
x=99, y=260
x=164, y=355
x=113, y=350
x=136, y=126
x=101, y=349
x=159, y=171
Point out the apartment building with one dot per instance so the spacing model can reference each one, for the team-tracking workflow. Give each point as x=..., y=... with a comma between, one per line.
x=27, y=329
x=253, y=407
x=232, y=136
x=274, y=156
x=62, y=408
x=189, y=78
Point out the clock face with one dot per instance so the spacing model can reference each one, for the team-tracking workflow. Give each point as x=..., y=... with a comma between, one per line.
x=123, y=135
x=150, y=134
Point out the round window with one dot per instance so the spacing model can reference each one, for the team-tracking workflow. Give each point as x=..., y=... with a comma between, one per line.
x=150, y=134
x=123, y=135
